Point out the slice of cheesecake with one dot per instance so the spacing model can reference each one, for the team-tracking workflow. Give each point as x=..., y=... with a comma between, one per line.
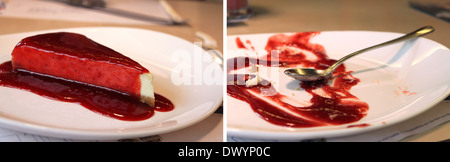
x=77, y=58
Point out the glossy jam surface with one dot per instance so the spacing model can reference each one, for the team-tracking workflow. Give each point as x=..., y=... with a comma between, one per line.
x=79, y=46
x=331, y=102
x=75, y=57
x=106, y=102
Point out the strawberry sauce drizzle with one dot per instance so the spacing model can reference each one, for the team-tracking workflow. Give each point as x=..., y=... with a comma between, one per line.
x=337, y=107
x=101, y=100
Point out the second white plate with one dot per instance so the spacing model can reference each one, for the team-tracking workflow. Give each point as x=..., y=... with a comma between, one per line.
x=398, y=82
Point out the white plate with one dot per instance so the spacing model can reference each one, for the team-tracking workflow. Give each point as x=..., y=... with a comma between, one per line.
x=418, y=67
x=28, y=112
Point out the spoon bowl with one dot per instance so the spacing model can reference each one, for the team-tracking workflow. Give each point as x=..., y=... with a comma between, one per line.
x=309, y=75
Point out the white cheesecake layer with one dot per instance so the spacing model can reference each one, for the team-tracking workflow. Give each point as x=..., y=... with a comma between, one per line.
x=147, y=92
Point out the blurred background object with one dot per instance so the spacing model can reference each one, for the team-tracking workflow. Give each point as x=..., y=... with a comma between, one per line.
x=87, y=3
x=437, y=8
x=148, y=12
x=238, y=11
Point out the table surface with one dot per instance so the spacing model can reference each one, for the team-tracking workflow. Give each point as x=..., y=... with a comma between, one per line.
x=325, y=15
x=205, y=16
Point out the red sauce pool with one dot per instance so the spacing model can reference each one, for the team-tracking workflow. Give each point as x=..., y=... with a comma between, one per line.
x=337, y=107
x=100, y=100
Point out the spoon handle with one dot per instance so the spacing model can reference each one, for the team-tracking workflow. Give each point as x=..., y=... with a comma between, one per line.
x=419, y=32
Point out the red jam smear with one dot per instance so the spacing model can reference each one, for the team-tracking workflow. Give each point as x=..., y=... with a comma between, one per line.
x=106, y=102
x=337, y=107
x=79, y=46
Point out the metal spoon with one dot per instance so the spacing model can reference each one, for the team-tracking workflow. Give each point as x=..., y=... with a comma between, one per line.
x=307, y=74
